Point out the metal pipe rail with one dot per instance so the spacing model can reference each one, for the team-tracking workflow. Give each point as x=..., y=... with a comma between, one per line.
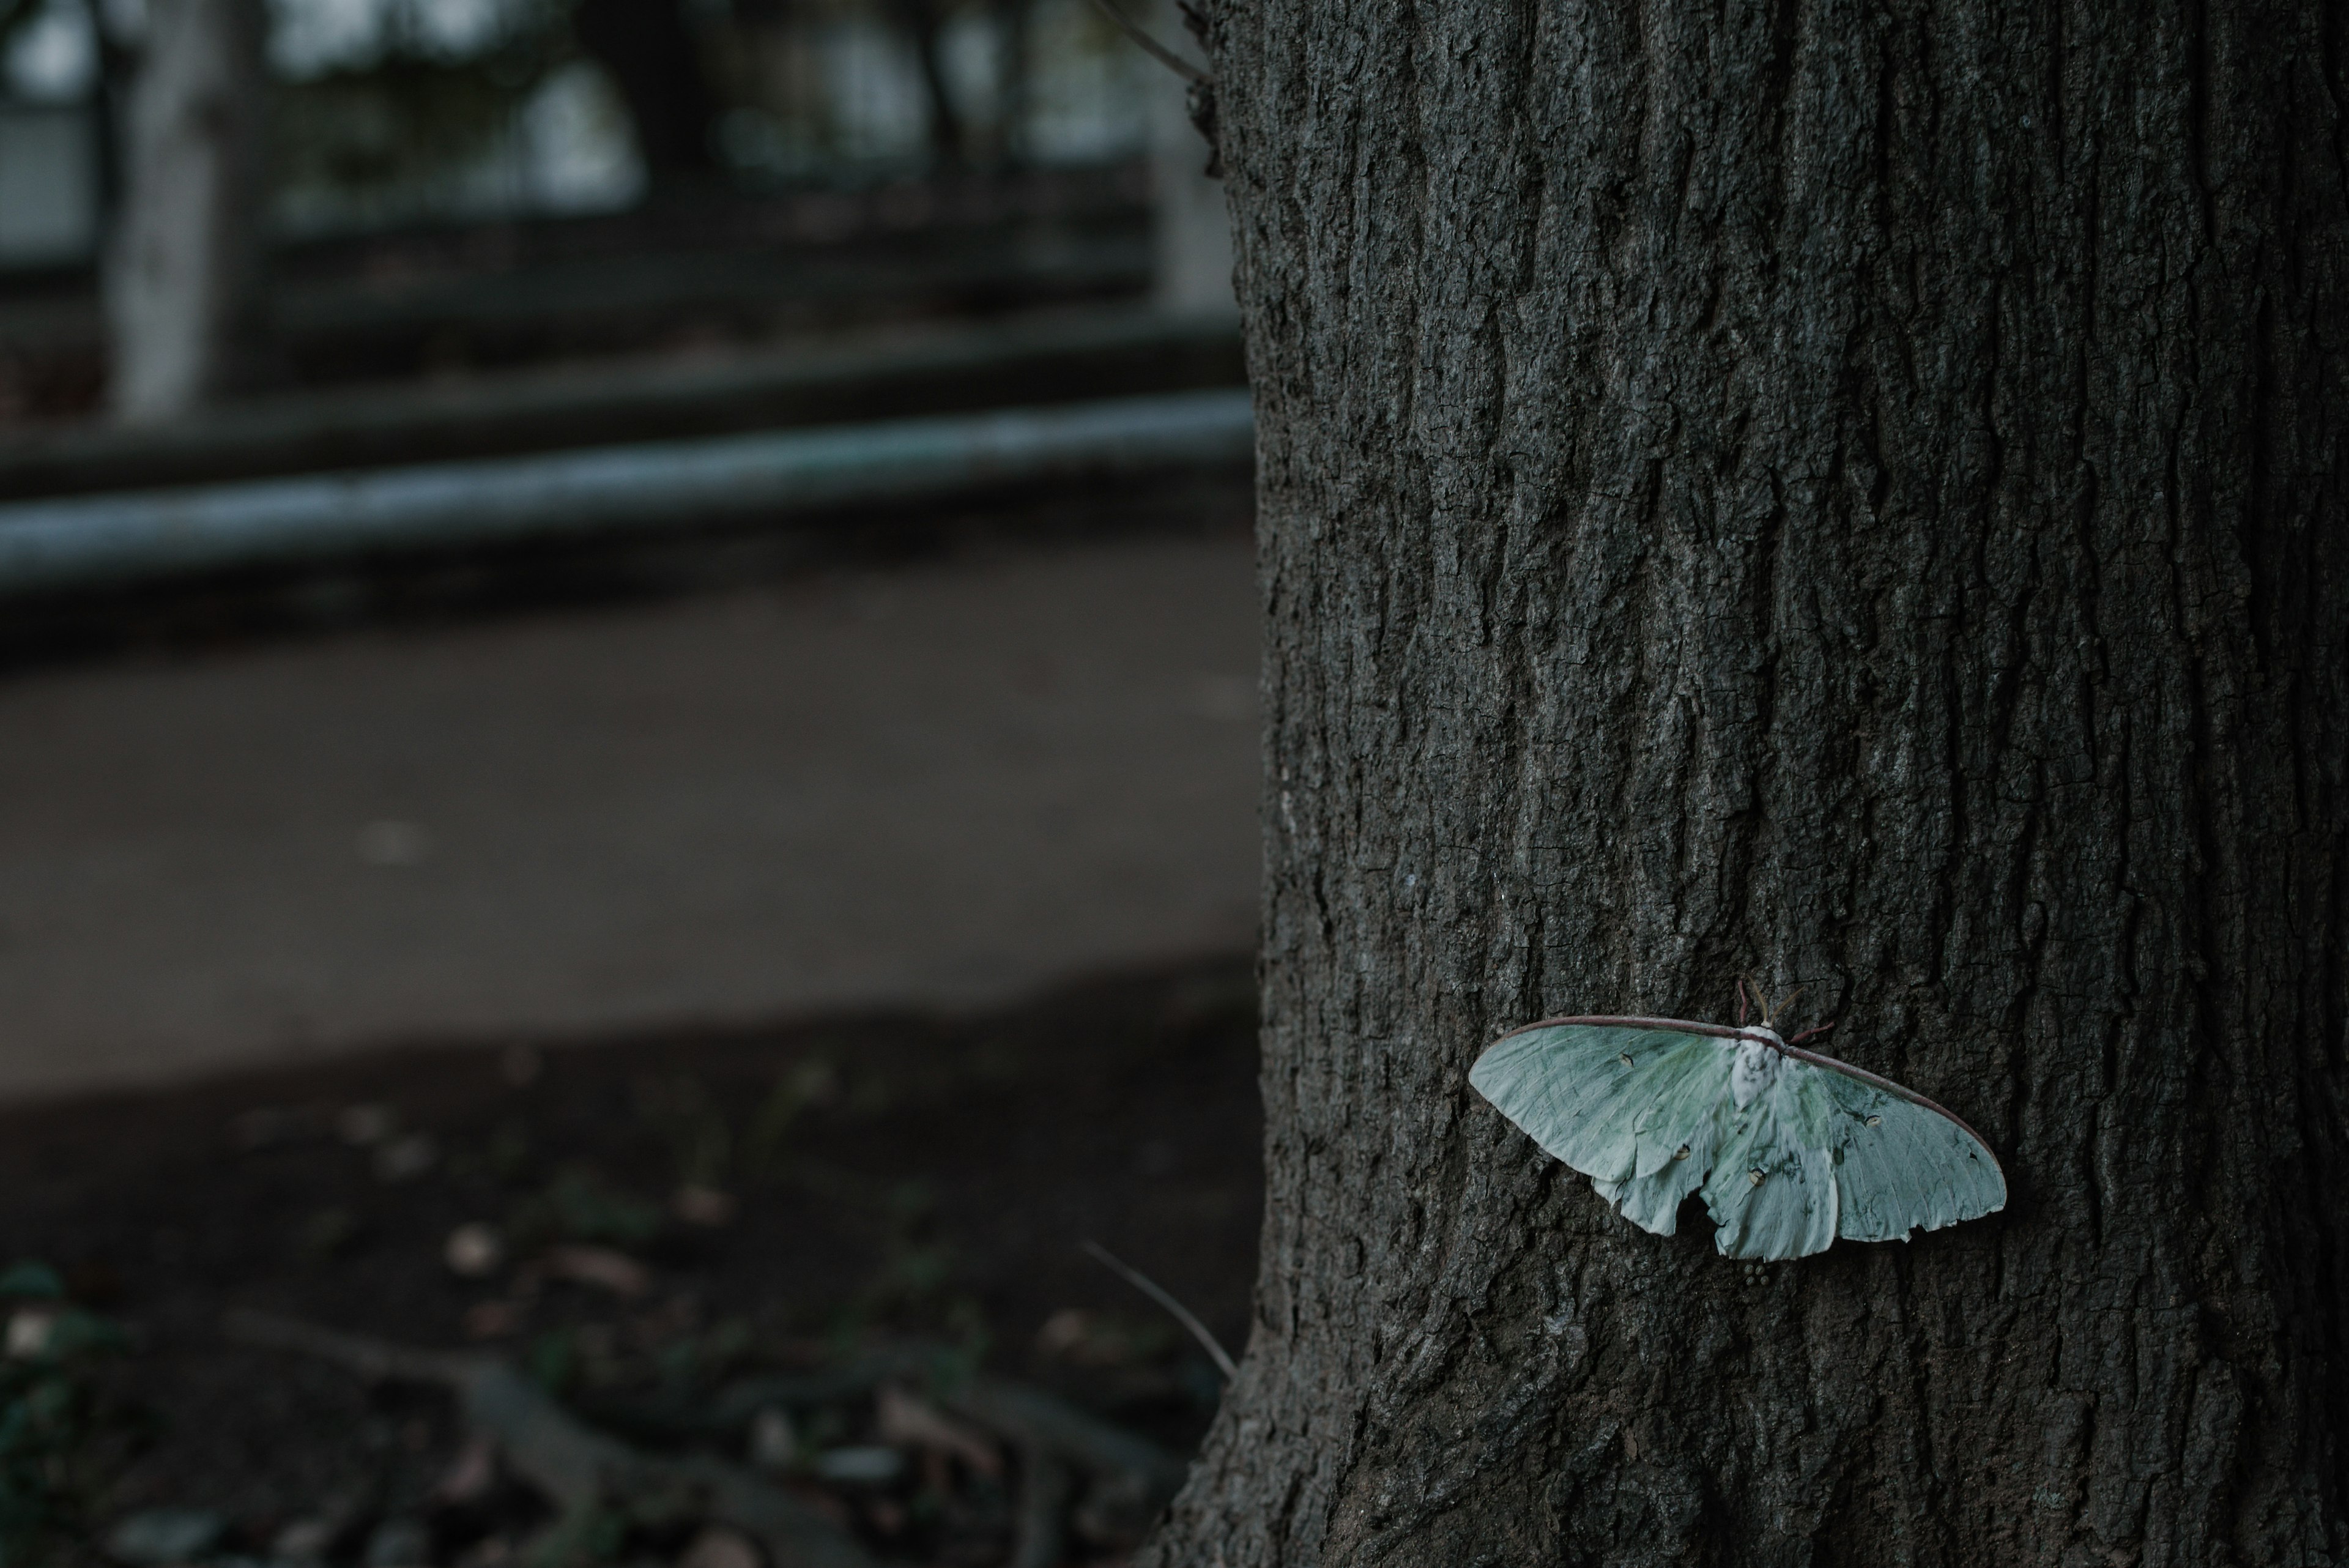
x=147, y=536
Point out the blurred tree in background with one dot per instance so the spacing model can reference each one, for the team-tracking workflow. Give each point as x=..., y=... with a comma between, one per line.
x=184, y=275
x=650, y=50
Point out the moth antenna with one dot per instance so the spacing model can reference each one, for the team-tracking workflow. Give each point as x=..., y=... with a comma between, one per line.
x=1779, y=1011
x=1811, y=1032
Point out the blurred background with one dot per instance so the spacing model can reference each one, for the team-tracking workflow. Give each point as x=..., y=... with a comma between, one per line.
x=208, y=199
x=627, y=745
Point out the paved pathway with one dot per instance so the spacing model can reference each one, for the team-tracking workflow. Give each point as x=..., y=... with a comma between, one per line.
x=943, y=784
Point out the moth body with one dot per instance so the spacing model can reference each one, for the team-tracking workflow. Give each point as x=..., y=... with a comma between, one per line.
x=1756, y=1067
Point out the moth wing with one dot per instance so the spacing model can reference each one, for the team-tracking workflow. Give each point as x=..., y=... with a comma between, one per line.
x=1902, y=1166
x=1652, y=1200
x=1772, y=1191
x=1617, y=1104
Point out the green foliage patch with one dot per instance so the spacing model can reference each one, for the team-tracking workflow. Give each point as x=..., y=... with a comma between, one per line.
x=51, y=1414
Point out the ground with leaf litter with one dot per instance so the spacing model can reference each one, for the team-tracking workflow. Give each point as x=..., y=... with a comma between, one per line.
x=811, y=1292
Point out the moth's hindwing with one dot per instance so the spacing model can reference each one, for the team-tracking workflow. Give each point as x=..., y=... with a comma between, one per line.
x=1771, y=1192
x=1901, y=1166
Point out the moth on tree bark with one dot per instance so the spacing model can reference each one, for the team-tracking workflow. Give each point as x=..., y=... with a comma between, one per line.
x=1855, y=494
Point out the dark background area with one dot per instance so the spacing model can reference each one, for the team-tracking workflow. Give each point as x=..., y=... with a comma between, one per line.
x=896, y=1173
x=524, y=232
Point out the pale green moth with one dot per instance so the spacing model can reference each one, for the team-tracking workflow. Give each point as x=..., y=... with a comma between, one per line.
x=1790, y=1148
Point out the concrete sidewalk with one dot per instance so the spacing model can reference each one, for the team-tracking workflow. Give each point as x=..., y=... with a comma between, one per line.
x=938, y=785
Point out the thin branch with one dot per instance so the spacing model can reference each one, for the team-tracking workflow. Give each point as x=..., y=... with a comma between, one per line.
x=1150, y=1288
x=1152, y=47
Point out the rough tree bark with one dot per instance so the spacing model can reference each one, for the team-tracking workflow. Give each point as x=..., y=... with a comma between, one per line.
x=1853, y=492
x=184, y=306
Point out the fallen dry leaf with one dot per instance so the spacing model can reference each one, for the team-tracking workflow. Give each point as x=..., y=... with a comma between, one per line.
x=912, y=1421
x=718, y=1547
x=31, y=1330
x=474, y=1251
x=1063, y=1332
x=698, y=1205
x=492, y=1319
x=599, y=1266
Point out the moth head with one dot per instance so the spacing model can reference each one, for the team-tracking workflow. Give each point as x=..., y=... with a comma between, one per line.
x=1762, y=1003
x=1771, y=1013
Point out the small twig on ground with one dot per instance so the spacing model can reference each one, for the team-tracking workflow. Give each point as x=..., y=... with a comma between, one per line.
x=575, y=1466
x=1182, y=1314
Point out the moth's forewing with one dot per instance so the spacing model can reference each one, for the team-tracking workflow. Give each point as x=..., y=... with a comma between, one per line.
x=1905, y=1166
x=1614, y=1102
x=1687, y=1076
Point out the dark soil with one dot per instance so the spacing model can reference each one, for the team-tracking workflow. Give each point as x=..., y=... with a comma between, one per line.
x=895, y=1174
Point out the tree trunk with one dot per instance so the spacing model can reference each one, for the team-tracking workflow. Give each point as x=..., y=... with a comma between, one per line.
x=923, y=21
x=1015, y=78
x=649, y=50
x=1852, y=493
x=183, y=285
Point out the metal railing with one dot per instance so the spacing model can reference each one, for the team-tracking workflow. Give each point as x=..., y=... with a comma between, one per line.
x=147, y=536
